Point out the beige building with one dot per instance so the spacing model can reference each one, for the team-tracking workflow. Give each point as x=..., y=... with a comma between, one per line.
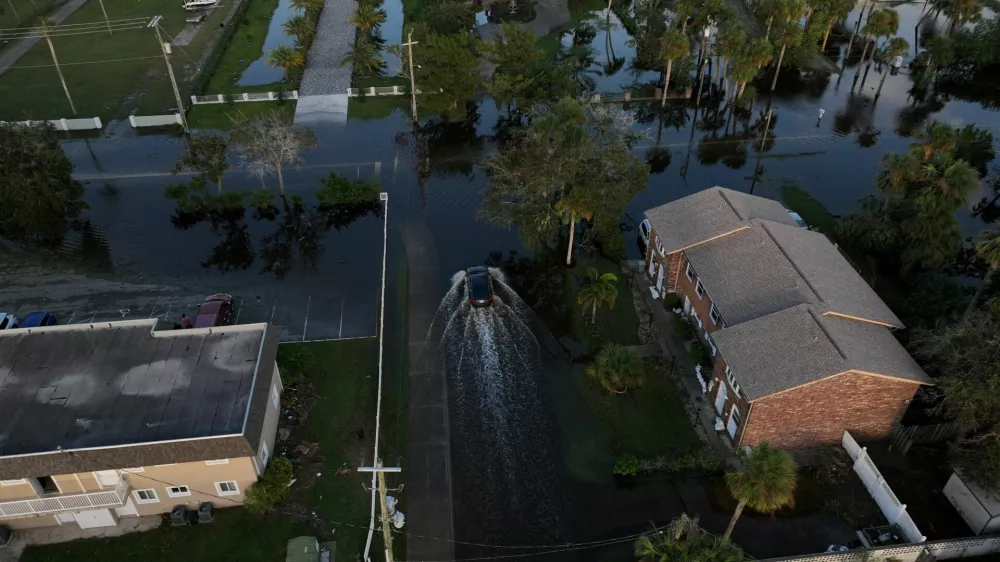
x=111, y=420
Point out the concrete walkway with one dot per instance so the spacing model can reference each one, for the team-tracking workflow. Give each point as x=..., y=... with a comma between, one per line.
x=428, y=472
x=323, y=92
x=72, y=532
x=13, y=52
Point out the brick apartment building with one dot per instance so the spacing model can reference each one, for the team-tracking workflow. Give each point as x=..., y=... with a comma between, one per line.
x=801, y=345
x=111, y=420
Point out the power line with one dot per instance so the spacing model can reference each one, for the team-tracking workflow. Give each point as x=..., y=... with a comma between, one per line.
x=82, y=62
x=551, y=547
x=13, y=32
x=124, y=27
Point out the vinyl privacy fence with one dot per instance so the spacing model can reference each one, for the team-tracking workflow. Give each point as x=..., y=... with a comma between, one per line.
x=892, y=508
x=929, y=551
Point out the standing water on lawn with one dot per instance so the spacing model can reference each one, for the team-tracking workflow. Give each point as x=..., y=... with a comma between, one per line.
x=259, y=72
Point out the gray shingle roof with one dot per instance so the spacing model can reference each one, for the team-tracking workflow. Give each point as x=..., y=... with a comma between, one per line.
x=120, y=383
x=799, y=345
x=710, y=213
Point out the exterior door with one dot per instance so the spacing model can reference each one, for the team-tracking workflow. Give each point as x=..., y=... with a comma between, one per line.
x=95, y=518
x=128, y=509
x=107, y=478
x=687, y=305
x=731, y=426
x=652, y=263
x=720, y=398
x=65, y=518
x=659, y=280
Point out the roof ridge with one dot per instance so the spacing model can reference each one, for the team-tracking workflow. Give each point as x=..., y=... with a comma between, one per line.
x=812, y=314
x=722, y=193
x=791, y=262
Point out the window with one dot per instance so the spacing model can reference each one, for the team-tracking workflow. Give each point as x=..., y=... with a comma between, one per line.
x=227, y=488
x=689, y=273
x=699, y=289
x=146, y=496
x=11, y=482
x=711, y=343
x=263, y=453
x=217, y=461
x=275, y=396
x=47, y=484
x=713, y=315
x=178, y=491
x=732, y=381
x=734, y=416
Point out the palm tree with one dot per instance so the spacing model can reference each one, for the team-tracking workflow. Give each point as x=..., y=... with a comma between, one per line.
x=363, y=56
x=731, y=41
x=683, y=540
x=286, y=58
x=938, y=52
x=896, y=46
x=988, y=249
x=602, y=288
x=961, y=12
x=617, y=368
x=791, y=31
x=881, y=23
x=766, y=482
x=673, y=44
x=300, y=28
x=834, y=10
x=367, y=17
x=307, y=6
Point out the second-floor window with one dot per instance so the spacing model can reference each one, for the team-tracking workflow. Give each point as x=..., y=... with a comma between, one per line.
x=732, y=381
x=699, y=289
x=713, y=315
x=689, y=273
x=734, y=416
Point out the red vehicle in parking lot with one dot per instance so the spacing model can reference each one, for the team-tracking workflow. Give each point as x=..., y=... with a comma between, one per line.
x=215, y=311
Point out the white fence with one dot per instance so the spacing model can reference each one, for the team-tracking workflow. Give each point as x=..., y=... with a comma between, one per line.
x=941, y=550
x=892, y=508
x=72, y=502
x=86, y=124
x=155, y=120
x=242, y=98
x=377, y=91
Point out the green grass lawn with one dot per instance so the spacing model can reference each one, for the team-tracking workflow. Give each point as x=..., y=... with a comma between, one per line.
x=339, y=386
x=647, y=421
x=619, y=324
x=369, y=108
x=107, y=89
x=246, y=46
x=234, y=535
x=220, y=116
x=812, y=211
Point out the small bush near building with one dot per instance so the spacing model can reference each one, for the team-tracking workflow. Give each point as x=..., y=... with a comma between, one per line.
x=671, y=301
x=626, y=465
x=683, y=329
x=700, y=355
x=271, y=488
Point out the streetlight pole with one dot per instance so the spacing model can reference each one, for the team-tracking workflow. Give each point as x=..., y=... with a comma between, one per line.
x=413, y=84
x=380, y=471
x=165, y=47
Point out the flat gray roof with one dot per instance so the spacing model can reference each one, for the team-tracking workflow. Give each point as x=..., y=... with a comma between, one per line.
x=121, y=383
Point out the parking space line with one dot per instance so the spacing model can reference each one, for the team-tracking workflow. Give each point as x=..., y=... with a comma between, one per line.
x=94, y=316
x=239, y=311
x=306, y=323
x=275, y=305
x=151, y=312
x=71, y=316
x=340, y=333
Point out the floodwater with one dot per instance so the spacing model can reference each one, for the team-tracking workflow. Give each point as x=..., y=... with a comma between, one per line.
x=259, y=72
x=131, y=254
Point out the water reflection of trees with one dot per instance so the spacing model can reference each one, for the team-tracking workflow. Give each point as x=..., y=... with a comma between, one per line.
x=298, y=230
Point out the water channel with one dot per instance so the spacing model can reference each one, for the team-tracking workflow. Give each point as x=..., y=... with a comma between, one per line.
x=259, y=72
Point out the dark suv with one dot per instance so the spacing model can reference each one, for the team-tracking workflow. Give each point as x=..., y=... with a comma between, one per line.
x=480, y=286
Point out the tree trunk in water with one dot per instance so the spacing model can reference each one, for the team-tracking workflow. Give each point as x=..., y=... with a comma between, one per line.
x=572, y=231
x=715, y=69
x=809, y=15
x=979, y=293
x=593, y=313
x=826, y=36
x=861, y=62
x=767, y=34
x=885, y=73
x=732, y=522
x=743, y=86
x=281, y=181
x=609, y=7
x=777, y=69
x=666, y=83
x=701, y=68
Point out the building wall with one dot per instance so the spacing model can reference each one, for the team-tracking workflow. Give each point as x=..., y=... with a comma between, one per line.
x=818, y=413
x=270, y=422
x=701, y=306
x=733, y=400
x=30, y=522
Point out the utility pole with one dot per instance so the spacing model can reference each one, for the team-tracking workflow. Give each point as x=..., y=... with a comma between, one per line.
x=756, y=168
x=380, y=471
x=105, y=12
x=55, y=59
x=413, y=85
x=165, y=47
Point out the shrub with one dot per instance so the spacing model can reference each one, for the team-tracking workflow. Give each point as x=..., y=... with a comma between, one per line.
x=229, y=100
x=703, y=459
x=271, y=488
x=700, y=355
x=293, y=362
x=671, y=301
x=683, y=329
x=626, y=465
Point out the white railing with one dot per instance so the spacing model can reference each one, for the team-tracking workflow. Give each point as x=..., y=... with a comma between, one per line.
x=84, y=124
x=892, y=508
x=950, y=549
x=155, y=120
x=71, y=502
x=242, y=98
x=377, y=91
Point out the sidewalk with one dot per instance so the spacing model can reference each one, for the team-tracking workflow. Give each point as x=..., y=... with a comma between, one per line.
x=684, y=368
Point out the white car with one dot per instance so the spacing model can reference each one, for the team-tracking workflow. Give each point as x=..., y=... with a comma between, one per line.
x=644, y=228
x=797, y=218
x=8, y=321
